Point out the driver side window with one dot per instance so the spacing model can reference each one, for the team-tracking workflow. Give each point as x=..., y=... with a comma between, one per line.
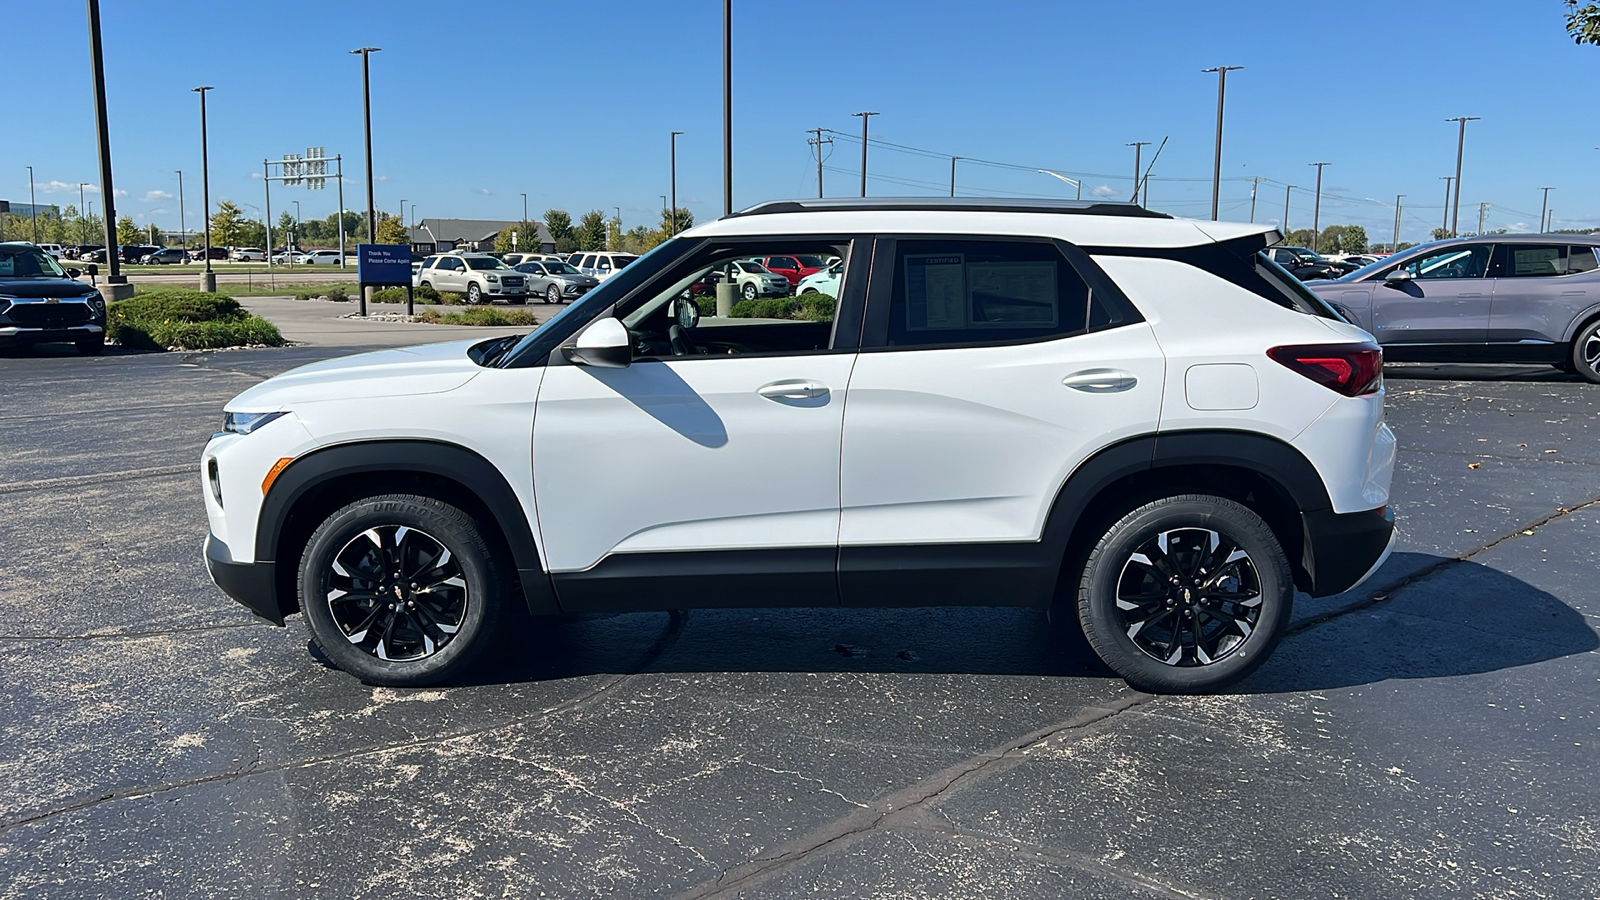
x=677, y=315
x=1469, y=261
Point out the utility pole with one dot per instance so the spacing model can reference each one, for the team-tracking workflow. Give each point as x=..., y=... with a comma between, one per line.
x=1544, y=208
x=1550, y=222
x=1447, y=179
x=33, y=206
x=83, y=216
x=1288, y=189
x=727, y=109
x=1137, y=146
x=672, y=216
x=865, y=116
x=1394, y=246
x=183, y=229
x=818, y=142
x=116, y=281
x=953, y=175
x=366, y=110
x=1254, y=187
x=1216, y=164
x=1482, y=208
x=1316, y=210
x=208, y=278
x=1461, y=143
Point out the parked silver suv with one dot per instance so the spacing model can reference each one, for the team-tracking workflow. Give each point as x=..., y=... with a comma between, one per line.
x=1492, y=298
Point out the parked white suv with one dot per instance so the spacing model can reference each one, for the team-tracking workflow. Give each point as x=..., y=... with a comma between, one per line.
x=479, y=276
x=601, y=265
x=1135, y=419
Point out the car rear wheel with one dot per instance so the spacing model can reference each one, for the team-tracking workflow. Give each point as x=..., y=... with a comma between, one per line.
x=552, y=294
x=1185, y=595
x=402, y=590
x=1586, y=353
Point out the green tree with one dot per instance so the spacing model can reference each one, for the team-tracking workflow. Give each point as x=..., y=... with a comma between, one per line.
x=252, y=234
x=1301, y=238
x=129, y=233
x=527, y=238
x=1440, y=234
x=225, y=223
x=1328, y=240
x=678, y=224
x=390, y=231
x=1353, y=239
x=1583, y=22
x=591, y=230
x=559, y=223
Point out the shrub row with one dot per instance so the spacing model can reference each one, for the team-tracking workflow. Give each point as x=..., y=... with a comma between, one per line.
x=814, y=307
x=179, y=319
x=478, y=315
x=422, y=294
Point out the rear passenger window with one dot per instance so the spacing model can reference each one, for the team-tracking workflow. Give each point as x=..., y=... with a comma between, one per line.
x=977, y=292
x=1532, y=260
x=1581, y=259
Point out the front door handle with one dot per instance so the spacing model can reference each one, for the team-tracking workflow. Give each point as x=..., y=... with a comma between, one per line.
x=1100, y=381
x=793, y=389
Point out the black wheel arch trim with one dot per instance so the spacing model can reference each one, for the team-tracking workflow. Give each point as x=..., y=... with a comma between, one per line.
x=439, y=459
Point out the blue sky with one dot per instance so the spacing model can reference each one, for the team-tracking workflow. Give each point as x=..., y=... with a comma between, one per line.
x=476, y=102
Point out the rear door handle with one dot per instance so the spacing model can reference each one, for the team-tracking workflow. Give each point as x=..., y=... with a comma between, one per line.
x=1100, y=381
x=793, y=389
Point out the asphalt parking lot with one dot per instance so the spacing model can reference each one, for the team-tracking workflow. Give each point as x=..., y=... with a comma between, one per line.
x=1433, y=735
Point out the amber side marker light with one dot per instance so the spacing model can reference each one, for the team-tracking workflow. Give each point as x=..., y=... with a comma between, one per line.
x=273, y=473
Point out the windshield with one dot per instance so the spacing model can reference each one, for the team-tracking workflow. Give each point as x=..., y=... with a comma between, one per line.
x=560, y=268
x=28, y=262
x=754, y=268
x=484, y=262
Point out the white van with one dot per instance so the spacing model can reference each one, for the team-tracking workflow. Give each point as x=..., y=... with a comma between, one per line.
x=52, y=249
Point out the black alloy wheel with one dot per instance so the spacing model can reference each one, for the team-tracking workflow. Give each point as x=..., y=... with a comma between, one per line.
x=1586, y=353
x=1185, y=594
x=401, y=590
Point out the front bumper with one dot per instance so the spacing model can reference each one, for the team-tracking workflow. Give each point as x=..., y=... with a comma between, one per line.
x=254, y=584
x=1342, y=551
x=10, y=334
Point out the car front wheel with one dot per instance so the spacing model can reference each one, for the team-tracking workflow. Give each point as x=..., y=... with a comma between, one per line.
x=474, y=294
x=552, y=294
x=750, y=291
x=1185, y=595
x=402, y=590
x=1586, y=353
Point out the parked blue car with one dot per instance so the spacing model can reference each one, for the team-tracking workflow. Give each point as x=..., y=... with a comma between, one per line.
x=1492, y=298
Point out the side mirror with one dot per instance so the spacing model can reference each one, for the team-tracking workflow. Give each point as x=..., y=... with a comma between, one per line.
x=1398, y=276
x=604, y=344
x=93, y=270
x=73, y=273
x=686, y=312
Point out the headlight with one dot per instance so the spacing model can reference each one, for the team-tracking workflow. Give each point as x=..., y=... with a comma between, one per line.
x=494, y=278
x=245, y=423
x=97, y=303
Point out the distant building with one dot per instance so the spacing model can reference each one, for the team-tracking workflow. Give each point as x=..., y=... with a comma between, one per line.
x=28, y=209
x=443, y=235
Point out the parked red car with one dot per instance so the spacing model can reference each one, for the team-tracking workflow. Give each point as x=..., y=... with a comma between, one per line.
x=794, y=267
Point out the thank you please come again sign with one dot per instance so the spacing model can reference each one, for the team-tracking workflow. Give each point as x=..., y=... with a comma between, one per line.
x=383, y=263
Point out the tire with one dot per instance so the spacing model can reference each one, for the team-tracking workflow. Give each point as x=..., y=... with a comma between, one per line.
x=474, y=294
x=415, y=645
x=424, y=284
x=749, y=291
x=552, y=294
x=91, y=346
x=1585, y=356
x=1153, y=643
x=809, y=290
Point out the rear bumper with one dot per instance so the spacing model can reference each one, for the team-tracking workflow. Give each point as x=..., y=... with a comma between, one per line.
x=253, y=584
x=1342, y=551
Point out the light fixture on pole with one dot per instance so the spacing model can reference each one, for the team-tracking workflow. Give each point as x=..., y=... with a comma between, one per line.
x=1216, y=163
x=672, y=214
x=865, y=117
x=1072, y=181
x=1544, y=207
x=1138, y=148
x=1461, y=143
x=208, y=278
x=1316, y=209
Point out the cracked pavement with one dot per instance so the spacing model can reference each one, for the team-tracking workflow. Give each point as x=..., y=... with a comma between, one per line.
x=1432, y=735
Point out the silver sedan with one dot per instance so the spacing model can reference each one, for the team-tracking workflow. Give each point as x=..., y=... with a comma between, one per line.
x=557, y=281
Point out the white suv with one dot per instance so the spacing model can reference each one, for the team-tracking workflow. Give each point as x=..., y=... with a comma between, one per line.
x=1133, y=418
x=479, y=276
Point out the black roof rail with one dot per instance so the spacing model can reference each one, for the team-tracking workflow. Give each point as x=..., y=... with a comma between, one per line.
x=954, y=204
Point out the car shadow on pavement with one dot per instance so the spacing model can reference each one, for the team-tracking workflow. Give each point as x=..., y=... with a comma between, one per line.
x=1478, y=372
x=1461, y=618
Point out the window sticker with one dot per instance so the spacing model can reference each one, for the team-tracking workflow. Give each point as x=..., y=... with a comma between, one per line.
x=1012, y=295
x=936, y=295
x=1536, y=261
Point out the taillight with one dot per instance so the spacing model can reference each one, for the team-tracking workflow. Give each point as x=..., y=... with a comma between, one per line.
x=1349, y=369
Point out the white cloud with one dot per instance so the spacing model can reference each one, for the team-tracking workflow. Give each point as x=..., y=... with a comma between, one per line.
x=381, y=178
x=61, y=187
x=484, y=191
x=154, y=212
x=255, y=176
x=150, y=196
x=119, y=192
x=1104, y=190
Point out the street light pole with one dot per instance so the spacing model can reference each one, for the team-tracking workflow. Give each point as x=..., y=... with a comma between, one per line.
x=1216, y=162
x=183, y=228
x=83, y=215
x=1316, y=209
x=1482, y=208
x=33, y=206
x=727, y=108
x=672, y=214
x=865, y=117
x=1138, y=147
x=1394, y=246
x=953, y=175
x=1544, y=207
x=1461, y=143
x=108, y=193
x=524, y=206
x=1254, y=187
x=208, y=278
x=366, y=111
x=1448, y=180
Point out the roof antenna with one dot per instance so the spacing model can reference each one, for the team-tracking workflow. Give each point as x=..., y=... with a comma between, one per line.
x=1138, y=187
